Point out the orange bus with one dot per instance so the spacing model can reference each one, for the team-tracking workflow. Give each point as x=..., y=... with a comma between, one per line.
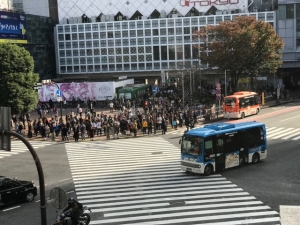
x=241, y=104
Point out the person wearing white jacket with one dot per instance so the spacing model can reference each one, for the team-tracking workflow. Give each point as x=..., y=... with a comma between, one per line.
x=98, y=127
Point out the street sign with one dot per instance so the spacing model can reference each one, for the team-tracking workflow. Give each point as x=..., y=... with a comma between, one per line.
x=155, y=89
x=58, y=93
x=59, y=99
x=163, y=77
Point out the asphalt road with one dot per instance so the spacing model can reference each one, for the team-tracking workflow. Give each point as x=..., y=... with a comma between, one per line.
x=274, y=181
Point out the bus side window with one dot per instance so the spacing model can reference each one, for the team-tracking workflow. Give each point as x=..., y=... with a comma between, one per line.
x=231, y=143
x=242, y=103
x=208, y=148
x=219, y=145
x=251, y=101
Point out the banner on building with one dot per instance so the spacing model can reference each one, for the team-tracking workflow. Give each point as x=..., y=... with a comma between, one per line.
x=13, y=27
x=98, y=91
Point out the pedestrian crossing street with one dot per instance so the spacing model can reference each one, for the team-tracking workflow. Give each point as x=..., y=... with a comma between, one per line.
x=140, y=181
x=18, y=147
x=272, y=133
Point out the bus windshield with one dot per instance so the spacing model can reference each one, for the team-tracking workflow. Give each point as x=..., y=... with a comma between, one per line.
x=191, y=145
x=229, y=101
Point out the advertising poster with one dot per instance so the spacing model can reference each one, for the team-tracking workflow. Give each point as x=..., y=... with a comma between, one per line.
x=13, y=27
x=98, y=91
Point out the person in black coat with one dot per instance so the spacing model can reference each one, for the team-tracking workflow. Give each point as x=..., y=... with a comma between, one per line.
x=76, y=132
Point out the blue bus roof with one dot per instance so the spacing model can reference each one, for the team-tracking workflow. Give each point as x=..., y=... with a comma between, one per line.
x=221, y=128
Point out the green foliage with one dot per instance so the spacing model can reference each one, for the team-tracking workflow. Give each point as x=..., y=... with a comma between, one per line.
x=241, y=46
x=17, y=79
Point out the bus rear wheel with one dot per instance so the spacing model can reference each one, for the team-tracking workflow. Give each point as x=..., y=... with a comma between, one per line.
x=255, y=158
x=257, y=111
x=243, y=116
x=208, y=170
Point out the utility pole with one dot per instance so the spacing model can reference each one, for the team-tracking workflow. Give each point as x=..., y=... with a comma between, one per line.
x=182, y=90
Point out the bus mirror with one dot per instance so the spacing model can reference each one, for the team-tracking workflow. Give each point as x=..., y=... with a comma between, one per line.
x=179, y=141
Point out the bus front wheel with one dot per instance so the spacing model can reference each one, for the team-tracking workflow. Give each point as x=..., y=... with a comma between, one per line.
x=208, y=170
x=255, y=158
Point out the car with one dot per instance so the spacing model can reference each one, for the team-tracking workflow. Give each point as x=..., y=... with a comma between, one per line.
x=13, y=190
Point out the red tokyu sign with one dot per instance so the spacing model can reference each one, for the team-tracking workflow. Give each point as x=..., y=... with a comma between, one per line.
x=207, y=2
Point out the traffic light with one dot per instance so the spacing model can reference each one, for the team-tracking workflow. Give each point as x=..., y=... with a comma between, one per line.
x=172, y=80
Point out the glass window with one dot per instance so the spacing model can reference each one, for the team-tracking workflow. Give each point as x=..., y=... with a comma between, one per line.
x=80, y=28
x=282, y=12
x=178, y=30
x=133, y=50
x=132, y=33
x=187, y=39
x=211, y=20
x=194, y=21
x=117, y=26
x=95, y=27
x=61, y=37
x=154, y=23
x=155, y=40
x=186, y=21
x=171, y=52
x=156, y=66
x=156, y=53
x=60, y=29
x=124, y=33
x=147, y=24
x=163, y=31
x=118, y=42
x=62, y=61
x=171, y=23
x=202, y=20
x=103, y=43
x=81, y=36
x=140, y=41
x=124, y=25
x=125, y=42
x=75, y=53
x=104, y=68
x=163, y=40
x=155, y=32
x=140, y=49
x=133, y=41
x=148, y=41
x=149, y=65
x=75, y=44
x=110, y=26
x=187, y=30
x=103, y=51
x=148, y=32
x=88, y=27
x=163, y=23
x=75, y=61
x=187, y=51
x=164, y=53
x=171, y=31
x=97, y=67
x=297, y=10
x=88, y=44
x=191, y=145
x=74, y=37
x=96, y=51
x=179, y=39
x=102, y=35
x=102, y=26
x=125, y=50
x=139, y=24
x=148, y=49
x=178, y=22
x=140, y=33
x=61, y=53
x=290, y=11
x=118, y=34
x=171, y=40
x=110, y=34
x=132, y=25
x=88, y=36
x=179, y=50
x=67, y=29
x=82, y=60
x=95, y=35
x=126, y=58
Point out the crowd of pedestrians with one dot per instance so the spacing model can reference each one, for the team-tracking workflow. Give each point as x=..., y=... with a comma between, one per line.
x=144, y=115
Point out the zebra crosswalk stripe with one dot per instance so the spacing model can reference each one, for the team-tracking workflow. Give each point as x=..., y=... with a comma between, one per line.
x=140, y=181
x=272, y=133
x=18, y=147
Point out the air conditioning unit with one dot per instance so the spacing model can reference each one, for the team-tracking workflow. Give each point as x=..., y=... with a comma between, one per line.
x=71, y=20
x=102, y=18
x=174, y=15
x=219, y=12
x=111, y=17
x=144, y=17
x=79, y=19
x=64, y=21
x=224, y=12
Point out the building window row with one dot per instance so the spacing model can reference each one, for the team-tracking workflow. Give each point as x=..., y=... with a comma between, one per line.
x=160, y=23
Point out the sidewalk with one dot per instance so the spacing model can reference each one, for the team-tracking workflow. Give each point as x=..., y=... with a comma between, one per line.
x=34, y=115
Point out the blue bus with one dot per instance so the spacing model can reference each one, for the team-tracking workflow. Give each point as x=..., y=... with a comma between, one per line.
x=220, y=146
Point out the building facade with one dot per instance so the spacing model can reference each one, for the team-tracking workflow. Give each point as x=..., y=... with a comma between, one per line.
x=138, y=39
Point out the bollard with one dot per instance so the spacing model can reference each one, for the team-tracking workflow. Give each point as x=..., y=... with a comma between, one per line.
x=263, y=98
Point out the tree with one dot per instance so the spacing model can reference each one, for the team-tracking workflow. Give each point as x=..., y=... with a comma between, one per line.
x=17, y=79
x=242, y=46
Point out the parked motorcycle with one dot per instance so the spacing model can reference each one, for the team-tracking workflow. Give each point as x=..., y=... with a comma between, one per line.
x=64, y=218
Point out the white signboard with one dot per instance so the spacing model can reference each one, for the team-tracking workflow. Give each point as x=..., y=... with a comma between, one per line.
x=98, y=91
x=75, y=8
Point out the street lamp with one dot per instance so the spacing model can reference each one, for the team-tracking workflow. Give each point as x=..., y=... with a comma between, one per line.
x=59, y=99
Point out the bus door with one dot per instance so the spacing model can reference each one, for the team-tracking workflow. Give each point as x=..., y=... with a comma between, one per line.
x=209, y=156
x=219, y=153
x=231, y=150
